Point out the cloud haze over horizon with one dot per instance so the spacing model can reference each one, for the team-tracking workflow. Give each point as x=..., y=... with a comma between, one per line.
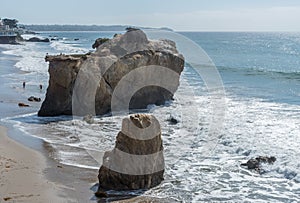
x=192, y=15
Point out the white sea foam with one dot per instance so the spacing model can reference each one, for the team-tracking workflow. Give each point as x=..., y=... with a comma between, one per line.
x=67, y=48
x=32, y=54
x=32, y=58
x=253, y=127
x=28, y=36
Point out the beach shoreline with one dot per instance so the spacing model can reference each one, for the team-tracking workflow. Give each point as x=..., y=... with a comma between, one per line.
x=22, y=177
x=27, y=173
x=22, y=174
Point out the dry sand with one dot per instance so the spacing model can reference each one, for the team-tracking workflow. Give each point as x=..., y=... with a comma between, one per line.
x=22, y=174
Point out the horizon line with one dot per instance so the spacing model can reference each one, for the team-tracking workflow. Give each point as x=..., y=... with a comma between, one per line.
x=162, y=27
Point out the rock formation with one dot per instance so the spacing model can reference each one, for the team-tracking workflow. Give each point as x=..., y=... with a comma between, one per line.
x=137, y=160
x=23, y=105
x=36, y=39
x=34, y=99
x=255, y=163
x=63, y=71
x=92, y=79
x=8, y=40
x=173, y=119
x=98, y=42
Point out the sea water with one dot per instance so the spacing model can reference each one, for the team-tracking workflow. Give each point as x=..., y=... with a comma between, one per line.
x=261, y=77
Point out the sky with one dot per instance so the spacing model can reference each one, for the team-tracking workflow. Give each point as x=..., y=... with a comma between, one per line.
x=180, y=15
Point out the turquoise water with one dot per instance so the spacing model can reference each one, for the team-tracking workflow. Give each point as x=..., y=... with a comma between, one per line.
x=261, y=77
x=262, y=65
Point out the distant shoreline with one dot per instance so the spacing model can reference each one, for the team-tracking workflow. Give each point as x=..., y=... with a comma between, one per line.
x=86, y=28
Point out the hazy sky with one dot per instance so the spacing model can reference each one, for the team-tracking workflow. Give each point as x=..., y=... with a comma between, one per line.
x=193, y=15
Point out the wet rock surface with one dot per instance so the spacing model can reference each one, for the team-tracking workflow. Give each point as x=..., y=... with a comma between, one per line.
x=133, y=163
x=256, y=163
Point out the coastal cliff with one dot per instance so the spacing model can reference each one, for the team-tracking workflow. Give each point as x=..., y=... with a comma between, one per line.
x=112, y=61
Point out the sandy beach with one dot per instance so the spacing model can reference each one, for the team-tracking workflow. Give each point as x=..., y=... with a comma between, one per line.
x=27, y=174
x=22, y=174
x=22, y=169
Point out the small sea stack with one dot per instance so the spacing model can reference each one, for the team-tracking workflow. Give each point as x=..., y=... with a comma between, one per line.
x=137, y=160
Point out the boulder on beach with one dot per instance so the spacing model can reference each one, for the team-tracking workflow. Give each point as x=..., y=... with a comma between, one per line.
x=137, y=161
x=34, y=99
x=129, y=68
x=23, y=105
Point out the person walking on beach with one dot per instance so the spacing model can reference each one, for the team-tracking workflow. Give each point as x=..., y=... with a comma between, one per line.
x=41, y=86
x=24, y=84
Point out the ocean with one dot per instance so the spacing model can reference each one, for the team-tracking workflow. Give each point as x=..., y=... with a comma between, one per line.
x=261, y=77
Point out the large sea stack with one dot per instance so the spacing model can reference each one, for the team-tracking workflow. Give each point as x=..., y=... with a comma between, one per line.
x=137, y=160
x=85, y=84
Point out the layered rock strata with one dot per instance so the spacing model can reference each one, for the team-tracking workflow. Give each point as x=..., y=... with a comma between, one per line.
x=137, y=161
x=147, y=70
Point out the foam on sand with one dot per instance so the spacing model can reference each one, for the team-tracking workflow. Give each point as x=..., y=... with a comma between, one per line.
x=23, y=180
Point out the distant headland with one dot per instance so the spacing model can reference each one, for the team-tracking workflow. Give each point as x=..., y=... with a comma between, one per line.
x=11, y=30
x=14, y=24
x=86, y=27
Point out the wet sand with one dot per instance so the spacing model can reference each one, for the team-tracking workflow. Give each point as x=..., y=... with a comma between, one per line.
x=27, y=174
x=22, y=174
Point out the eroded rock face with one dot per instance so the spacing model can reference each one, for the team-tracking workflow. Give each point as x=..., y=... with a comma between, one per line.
x=63, y=71
x=94, y=78
x=137, y=160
